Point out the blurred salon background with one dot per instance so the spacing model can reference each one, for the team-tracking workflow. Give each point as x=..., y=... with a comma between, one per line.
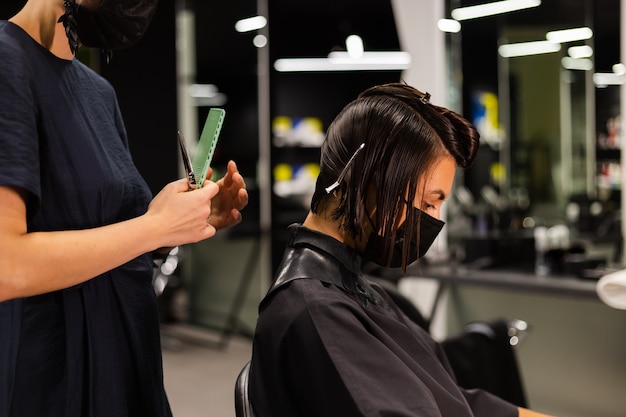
x=530, y=228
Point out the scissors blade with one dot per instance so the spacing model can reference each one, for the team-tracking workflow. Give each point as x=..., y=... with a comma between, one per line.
x=186, y=161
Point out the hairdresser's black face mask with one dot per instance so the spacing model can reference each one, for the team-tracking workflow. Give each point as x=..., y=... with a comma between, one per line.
x=429, y=228
x=115, y=24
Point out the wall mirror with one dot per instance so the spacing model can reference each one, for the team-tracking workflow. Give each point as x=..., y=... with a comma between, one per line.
x=547, y=116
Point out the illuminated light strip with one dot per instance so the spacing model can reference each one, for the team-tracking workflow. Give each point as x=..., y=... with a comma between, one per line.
x=569, y=35
x=603, y=79
x=489, y=9
x=581, y=64
x=528, y=48
x=341, y=61
x=449, y=25
x=250, y=24
x=583, y=51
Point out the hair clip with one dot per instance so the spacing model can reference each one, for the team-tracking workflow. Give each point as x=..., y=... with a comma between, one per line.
x=425, y=98
x=344, y=170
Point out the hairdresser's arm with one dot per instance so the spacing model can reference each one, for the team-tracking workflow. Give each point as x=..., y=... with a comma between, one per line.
x=40, y=262
x=523, y=412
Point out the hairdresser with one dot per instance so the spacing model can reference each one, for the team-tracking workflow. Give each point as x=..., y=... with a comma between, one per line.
x=79, y=331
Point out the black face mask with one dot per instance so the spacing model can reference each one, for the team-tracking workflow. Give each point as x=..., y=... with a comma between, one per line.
x=115, y=24
x=429, y=228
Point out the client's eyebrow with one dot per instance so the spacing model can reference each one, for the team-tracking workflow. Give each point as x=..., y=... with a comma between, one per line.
x=439, y=192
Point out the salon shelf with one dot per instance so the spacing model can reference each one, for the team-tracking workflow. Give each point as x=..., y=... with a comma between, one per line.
x=515, y=280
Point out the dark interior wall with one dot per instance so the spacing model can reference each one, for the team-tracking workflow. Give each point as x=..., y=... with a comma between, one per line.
x=144, y=77
x=9, y=7
x=312, y=29
x=228, y=59
x=480, y=74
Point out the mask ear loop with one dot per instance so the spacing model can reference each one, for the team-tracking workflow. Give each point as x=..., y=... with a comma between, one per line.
x=69, y=23
x=344, y=170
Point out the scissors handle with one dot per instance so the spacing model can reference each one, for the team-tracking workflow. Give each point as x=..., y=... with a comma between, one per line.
x=187, y=162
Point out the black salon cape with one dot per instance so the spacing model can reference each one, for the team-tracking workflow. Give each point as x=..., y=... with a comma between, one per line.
x=329, y=344
x=92, y=350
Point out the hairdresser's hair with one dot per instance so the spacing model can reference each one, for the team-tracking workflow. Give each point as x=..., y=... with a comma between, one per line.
x=403, y=135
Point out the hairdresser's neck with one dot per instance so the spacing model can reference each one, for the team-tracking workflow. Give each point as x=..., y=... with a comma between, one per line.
x=39, y=19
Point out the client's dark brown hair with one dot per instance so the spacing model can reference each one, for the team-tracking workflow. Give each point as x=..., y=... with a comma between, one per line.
x=403, y=135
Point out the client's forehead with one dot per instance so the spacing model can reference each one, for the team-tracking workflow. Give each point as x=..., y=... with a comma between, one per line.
x=437, y=181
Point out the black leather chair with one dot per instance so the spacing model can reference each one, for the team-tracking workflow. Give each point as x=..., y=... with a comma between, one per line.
x=243, y=406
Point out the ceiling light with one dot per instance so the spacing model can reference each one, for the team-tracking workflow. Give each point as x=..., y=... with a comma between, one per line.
x=583, y=51
x=397, y=58
x=250, y=24
x=206, y=95
x=449, y=25
x=489, y=9
x=528, y=48
x=569, y=35
x=341, y=61
x=203, y=90
x=582, y=64
x=259, y=41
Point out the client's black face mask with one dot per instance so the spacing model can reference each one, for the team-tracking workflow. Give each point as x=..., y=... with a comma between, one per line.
x=429, y=228
x=115, y=24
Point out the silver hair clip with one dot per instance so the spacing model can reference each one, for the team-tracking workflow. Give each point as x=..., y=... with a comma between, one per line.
x=425, y=98
x=344, y=170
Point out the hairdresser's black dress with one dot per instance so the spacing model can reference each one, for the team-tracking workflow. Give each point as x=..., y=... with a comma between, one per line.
x=329, y=344
x=94, y=349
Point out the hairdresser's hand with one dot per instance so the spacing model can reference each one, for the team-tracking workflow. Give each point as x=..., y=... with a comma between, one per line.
x=180, y=215
x=231, y=198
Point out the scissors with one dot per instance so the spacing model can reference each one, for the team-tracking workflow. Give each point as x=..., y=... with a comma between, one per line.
x=187, y=162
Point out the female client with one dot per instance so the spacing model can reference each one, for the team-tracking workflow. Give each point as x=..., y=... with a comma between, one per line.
x=329, y=343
